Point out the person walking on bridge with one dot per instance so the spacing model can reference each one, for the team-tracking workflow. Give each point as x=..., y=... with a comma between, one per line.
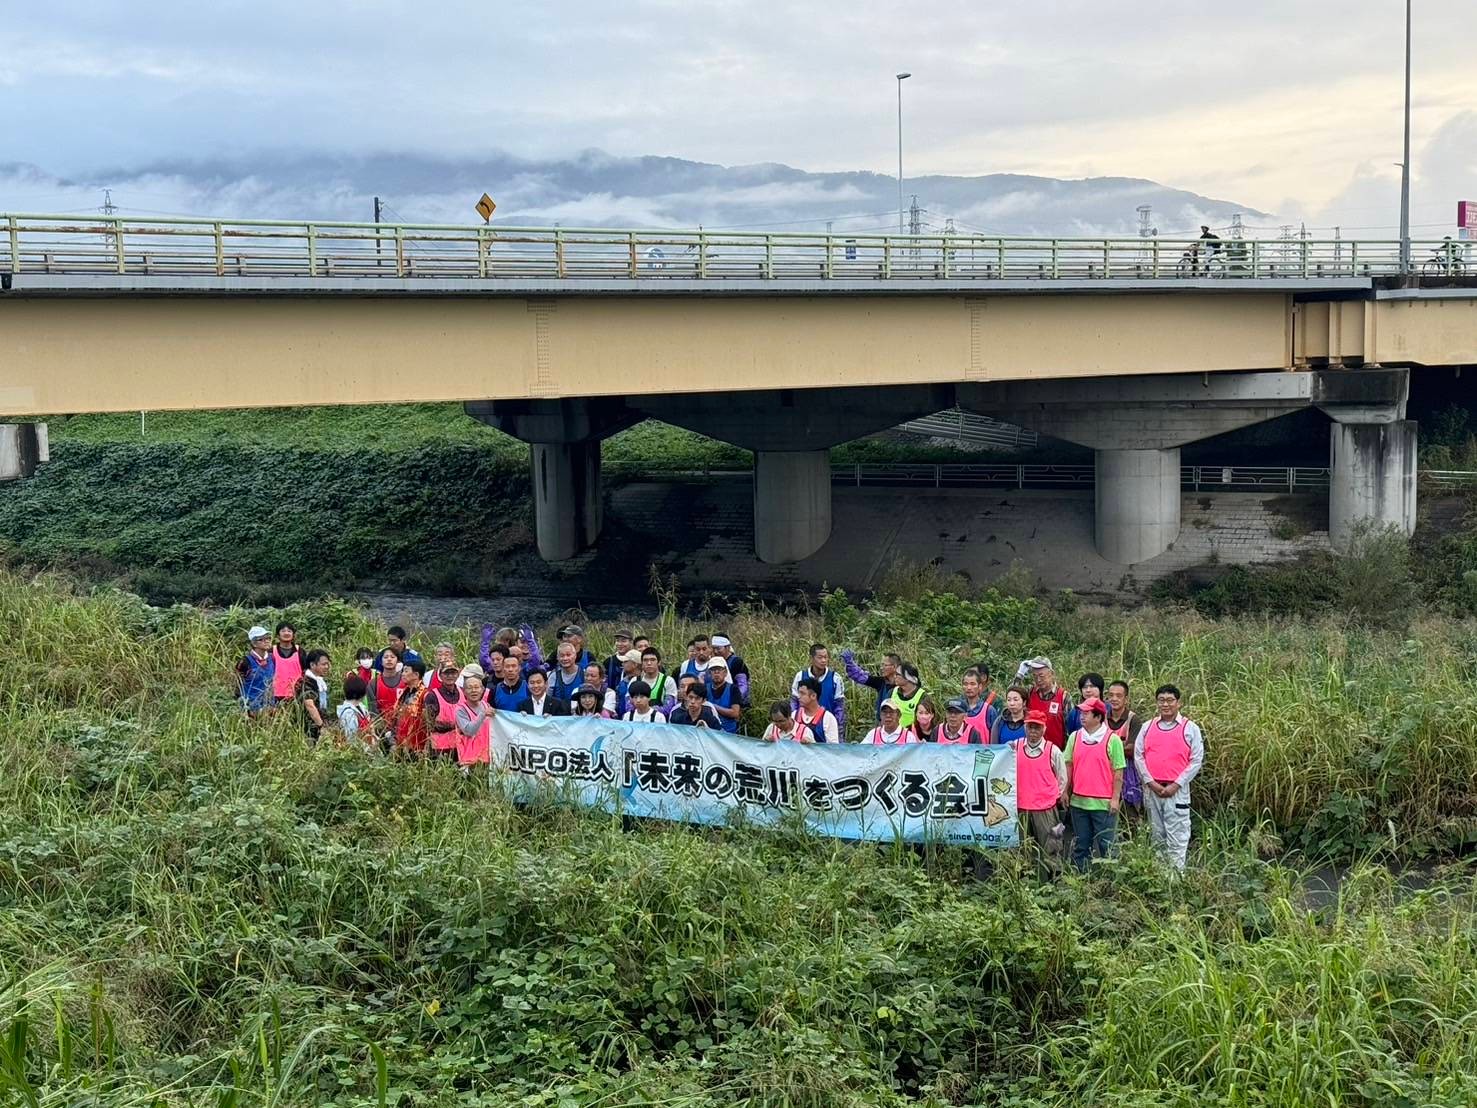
x=1169, y=752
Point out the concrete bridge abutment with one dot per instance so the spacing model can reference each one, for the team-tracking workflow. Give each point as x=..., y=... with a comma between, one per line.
x=1137, y=426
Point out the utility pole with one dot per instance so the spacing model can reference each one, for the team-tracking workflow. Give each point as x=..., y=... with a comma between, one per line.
x=901, y=77
x=378, y=245
x=108, y=207
x=915, y=217
x=1405, y=160
x=1237, y=230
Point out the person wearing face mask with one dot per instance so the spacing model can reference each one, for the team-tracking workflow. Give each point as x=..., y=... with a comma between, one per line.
x=363, y=665
x=926, y=722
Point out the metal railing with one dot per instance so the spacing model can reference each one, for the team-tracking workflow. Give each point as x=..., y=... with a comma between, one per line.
x=969, y=427
x=169, y=246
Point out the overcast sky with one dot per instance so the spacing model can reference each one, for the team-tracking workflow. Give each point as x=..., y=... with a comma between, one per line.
x=1289, y=106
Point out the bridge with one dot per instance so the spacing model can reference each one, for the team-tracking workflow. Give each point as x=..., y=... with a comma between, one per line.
x=784, y=344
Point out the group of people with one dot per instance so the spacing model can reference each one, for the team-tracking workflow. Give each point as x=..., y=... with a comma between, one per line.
x=1080, y=761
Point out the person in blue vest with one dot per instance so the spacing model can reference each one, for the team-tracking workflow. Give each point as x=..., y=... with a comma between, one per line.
x=738, y=671
x=512, y=690
x=255, y=671
x=723, y=695
x=833, y=691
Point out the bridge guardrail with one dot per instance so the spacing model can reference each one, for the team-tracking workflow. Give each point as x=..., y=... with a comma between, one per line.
x=1202, y=478
x=183, y=247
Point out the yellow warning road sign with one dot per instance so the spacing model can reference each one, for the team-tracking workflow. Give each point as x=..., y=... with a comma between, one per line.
x=485, y=208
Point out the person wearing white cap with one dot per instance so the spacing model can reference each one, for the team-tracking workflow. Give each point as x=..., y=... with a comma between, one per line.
x=630, y=669
x=738, y=672
x=723, y=695
x=254, y=673
x=1048, y=698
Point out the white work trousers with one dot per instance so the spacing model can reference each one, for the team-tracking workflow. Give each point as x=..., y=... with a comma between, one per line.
x=1169, y=825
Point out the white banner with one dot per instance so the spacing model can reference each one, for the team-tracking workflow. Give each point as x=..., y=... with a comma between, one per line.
x=920, y=792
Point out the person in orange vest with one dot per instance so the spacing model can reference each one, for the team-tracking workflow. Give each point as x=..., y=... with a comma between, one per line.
x=1048, y=698
x=1040, y=782
x=384, y=686
x=409, y=715
x=1095, y=764
x=288, y=665
x=1169, y=752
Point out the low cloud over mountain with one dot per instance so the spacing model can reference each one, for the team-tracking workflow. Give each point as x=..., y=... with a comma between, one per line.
x=597, y=189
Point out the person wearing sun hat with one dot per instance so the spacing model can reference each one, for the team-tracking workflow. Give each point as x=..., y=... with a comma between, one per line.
x=1095, y=762
x=255, y=672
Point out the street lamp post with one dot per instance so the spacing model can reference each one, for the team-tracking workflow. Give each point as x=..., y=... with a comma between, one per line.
x=901, y=77
x=1405, y=162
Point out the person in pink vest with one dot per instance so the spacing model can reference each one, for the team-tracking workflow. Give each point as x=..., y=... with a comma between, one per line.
x=1040, y=782
x=473, y=721
x=1168, y=753
x=287, y=658
x=440, y=711
x=957, y=727
x=1095, y=762
x=784, y=726
x=891, y=729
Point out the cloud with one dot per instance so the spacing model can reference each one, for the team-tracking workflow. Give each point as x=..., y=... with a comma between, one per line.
x=1269, y=103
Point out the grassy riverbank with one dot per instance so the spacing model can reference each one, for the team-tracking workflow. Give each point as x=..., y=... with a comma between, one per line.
x=267, y=506
x=199, y=910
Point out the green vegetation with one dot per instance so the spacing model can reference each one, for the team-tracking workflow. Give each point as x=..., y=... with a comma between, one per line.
x=267, y=506
x=201, y=910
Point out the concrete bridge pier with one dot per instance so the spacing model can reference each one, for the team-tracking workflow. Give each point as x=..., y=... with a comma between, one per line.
x=792, y=504
x=791, y=432
x=1373, y=478
x=1136, y=503
x=23, y=446
x=564, y=439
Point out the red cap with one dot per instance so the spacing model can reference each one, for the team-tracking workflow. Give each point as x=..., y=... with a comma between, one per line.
x=1093, y=704
x=1036, y=717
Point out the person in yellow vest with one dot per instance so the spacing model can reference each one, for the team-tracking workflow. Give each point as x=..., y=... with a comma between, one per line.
x=908, y=693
